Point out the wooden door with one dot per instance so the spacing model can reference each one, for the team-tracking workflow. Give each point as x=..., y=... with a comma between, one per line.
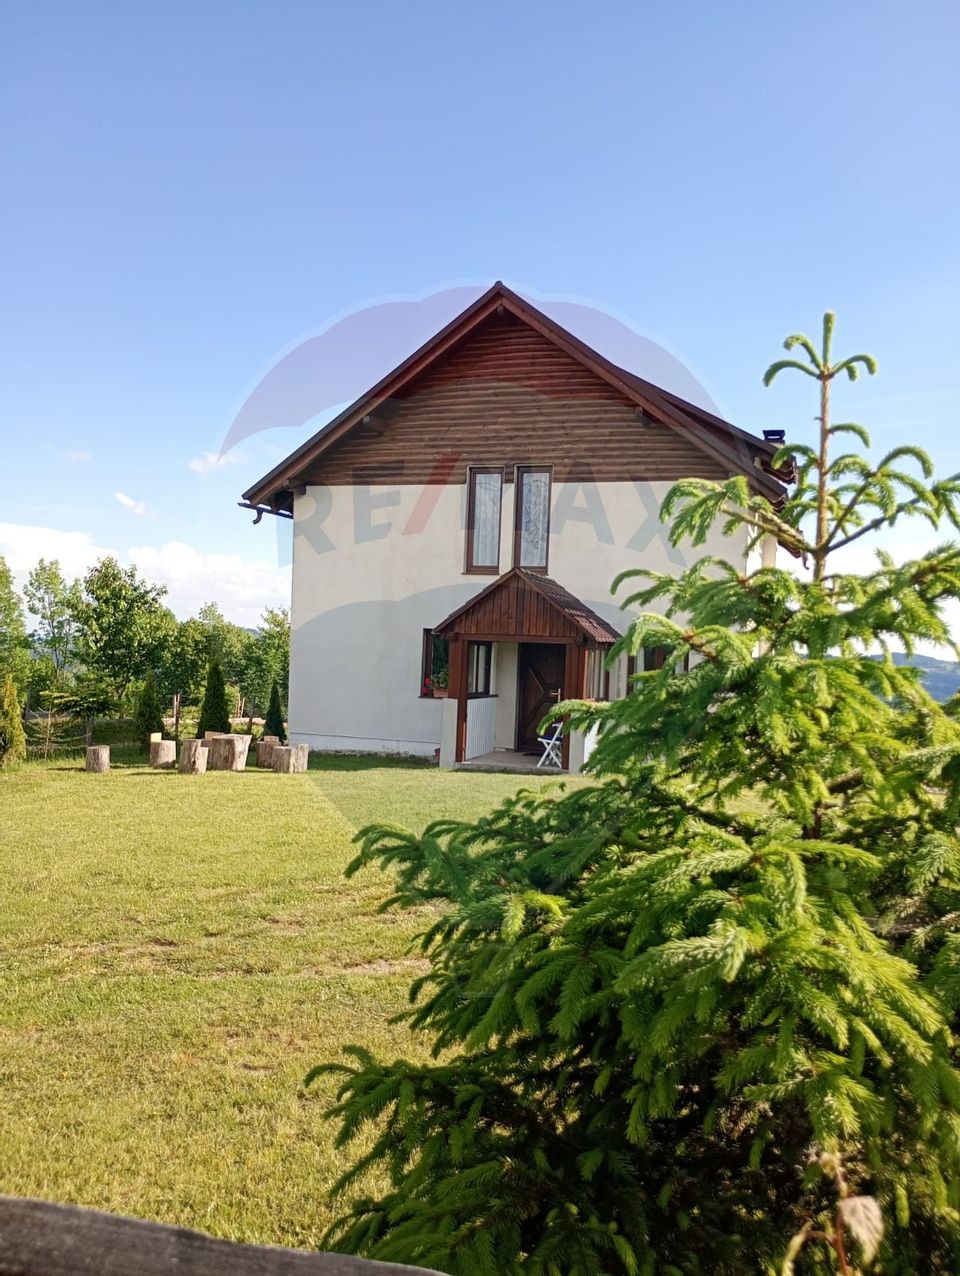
x=539, y=685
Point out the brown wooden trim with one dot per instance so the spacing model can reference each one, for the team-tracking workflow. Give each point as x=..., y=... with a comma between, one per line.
x=519, y=472
x=458, y=690
x=574, y=672
x=500, y=613
x=470, y=568
x=562, y=640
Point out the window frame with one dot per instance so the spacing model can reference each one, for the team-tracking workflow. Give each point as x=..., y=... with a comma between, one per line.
x=426, y=666
x=519, y=475
x=656, y=662
x=597, y=675
x=487, y=669
x=471, y=568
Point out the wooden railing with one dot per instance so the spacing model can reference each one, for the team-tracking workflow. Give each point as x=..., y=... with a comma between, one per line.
x=38, y=1238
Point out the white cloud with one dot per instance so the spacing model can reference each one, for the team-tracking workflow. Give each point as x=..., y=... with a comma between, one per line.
x=23, y=546
x=74, y=458
x=138, y=507
x=242, y=587
x=208, y=461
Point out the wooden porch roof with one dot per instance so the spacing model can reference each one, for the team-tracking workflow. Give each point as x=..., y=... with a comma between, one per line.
x=525, y=605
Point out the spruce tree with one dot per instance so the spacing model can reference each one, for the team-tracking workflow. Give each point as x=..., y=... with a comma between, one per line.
x=148, y=717
x=273, y=723
x=215, y=709
x=696, y=1017
x=13, y=740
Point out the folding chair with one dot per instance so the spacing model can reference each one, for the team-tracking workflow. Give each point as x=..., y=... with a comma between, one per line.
x=551, y=746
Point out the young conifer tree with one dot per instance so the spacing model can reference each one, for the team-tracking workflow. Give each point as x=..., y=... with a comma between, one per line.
x=148, y=717
x=273, y=723
x=675, y=1008
x=13, y=740
x=215, y=708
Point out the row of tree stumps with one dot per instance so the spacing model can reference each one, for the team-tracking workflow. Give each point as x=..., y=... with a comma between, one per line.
x=217, y=751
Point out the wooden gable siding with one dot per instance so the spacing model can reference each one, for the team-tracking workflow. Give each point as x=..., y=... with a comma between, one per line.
x=515, y=611
x=507, y=396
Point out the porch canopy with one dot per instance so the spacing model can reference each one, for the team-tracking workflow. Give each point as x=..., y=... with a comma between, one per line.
x=523, y=606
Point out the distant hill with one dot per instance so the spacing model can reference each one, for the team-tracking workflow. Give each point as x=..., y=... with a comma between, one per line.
x=941, y=677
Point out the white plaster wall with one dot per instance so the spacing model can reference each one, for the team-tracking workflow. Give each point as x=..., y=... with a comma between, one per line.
x=374, y=566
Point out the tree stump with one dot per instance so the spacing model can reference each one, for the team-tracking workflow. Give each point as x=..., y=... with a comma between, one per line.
x=163, y=754
x=193, y=757
x=227, y=752
x=290, y=759
x=265, y=750
x=97, y=759
x=271, y=739
x=155, y=736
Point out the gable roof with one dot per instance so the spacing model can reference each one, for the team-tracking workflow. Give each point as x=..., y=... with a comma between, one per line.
x=578, y=618
x=734, y=448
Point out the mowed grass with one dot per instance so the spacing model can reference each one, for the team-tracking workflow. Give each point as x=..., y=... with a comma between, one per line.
x=175, y=953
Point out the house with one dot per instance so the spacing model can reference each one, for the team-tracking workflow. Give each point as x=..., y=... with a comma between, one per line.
x=457, y=529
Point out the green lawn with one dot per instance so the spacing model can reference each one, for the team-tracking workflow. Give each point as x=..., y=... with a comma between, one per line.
x=175, y=953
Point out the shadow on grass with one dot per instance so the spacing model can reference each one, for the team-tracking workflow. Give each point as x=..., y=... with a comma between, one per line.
x=130, y=759
x=366, y=762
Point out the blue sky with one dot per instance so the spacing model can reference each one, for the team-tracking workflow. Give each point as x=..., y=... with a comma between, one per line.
x=190, y=190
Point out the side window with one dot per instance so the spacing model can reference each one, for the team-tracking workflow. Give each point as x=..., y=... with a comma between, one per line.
x=435, y=666
x=650, y=660
x=479, y=659
x=484, y=500
x=532, y=518
x=597, y=677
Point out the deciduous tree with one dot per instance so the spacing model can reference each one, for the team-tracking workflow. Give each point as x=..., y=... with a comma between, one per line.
x=121, y=624
x=54, y=603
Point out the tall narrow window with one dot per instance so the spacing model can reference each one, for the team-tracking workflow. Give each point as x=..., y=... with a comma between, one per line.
x=479, y=659
x=484, y=497
x=532, y=528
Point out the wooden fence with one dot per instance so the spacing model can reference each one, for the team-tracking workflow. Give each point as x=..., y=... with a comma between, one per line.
x=38, y=1238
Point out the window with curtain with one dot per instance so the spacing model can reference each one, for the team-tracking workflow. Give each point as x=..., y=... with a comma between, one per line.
x=596, y=682
x=532, y=518
x=484, y=500
x=479, y=660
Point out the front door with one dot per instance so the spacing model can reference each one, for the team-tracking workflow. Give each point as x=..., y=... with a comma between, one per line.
x=540, y=685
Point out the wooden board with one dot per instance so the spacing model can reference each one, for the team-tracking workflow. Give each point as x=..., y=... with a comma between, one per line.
x=506, y=396
x=39, y=1238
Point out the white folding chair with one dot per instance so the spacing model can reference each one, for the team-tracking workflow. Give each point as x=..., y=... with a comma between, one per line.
x=551, y=746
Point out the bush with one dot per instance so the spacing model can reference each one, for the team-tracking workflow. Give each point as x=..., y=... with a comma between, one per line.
x=273, y=723
x=215, y=709
x=13, y=740
x=147, y=718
